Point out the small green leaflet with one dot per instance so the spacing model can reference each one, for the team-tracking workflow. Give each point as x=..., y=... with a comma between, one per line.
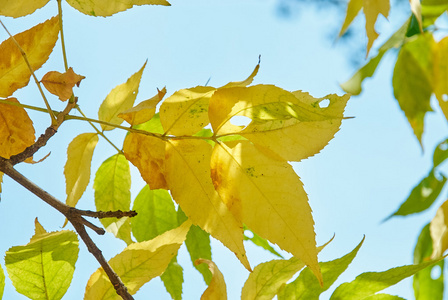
x=43, y=269
x=112, y=186
x=172, y=278
x=2, y=282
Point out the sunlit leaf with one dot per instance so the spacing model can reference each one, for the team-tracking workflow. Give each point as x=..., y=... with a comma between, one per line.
x=144, y=111
x=16, y=129
x=431, y=10
x=77, y=167
x=369, y=283
x=267, y=278
x=412, y=80
x=217, y=288
x=112, y=186
x=20, y=8
x=425, y=287
x=260, y=242
x=292, y=125
x=423, y=195
x=186, y=111
x=266, y=195
x=37, y=43
x=172, y=278
x=147, y=153
x=120, y=99
x=43, y=269
x=154, y=125
x=198, y=246
x=137, y=264
x=441, y=75
x=61, y=84
x=354, y=84
x=188, y=177
x=155, y=214
x=104, y=8
x=439, y=231
x=2, y=282
x=307, y=287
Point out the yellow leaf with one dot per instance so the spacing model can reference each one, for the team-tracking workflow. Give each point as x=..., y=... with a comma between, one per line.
x=293, y=125
x=439, y=231
x=217, y=288
x=266, y=195
x=38, y=43
x=144, y=111
x=245, y=82
x=16, y=129
x=104, y=8
x=372, y=9
x=147, y=153
x=61, y=84
x=120, y=99
x=187, y=172
x=353, y=8
x=440, y=65
x=138, y=264
x=21, y=8
x=77, y=167
x=186, y=111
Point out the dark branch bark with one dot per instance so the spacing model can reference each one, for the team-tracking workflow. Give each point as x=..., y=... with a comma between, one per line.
x=74, y=216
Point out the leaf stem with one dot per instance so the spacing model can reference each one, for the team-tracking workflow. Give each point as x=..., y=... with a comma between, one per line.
x=49, y=110
x=96, y=129
x=64, y=54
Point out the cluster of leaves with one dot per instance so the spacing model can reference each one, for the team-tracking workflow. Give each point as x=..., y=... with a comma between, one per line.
x=205, y=177
x=420, y=72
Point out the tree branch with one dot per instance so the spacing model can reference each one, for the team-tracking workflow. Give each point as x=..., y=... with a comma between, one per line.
x=74, y=216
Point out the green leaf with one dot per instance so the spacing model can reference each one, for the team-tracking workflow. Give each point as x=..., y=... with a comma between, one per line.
x=370, y=283
x=43, y=269
x=155, y=214
x=267, y=278
x=440, y=153
x=422, y=196
x=412, y=80
x=154, y=125
x=431, y=10
x=121, y=98
x=173, y=278
x=354, y=84
x=306, y=285
x=383, y=297
x=425, y=287
x=198, y=246
x=112, y=187
x=104, y=8
x=260, y=242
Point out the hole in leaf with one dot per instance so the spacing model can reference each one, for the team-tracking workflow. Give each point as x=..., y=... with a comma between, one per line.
x=324, y=103
x=443, y=146
x=248, y=233
x=445, y=97
x=240, y=121
x=436, y=272
x=426, y=192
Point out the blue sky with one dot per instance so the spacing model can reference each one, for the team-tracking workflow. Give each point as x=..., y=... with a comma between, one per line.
x=361, y=177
